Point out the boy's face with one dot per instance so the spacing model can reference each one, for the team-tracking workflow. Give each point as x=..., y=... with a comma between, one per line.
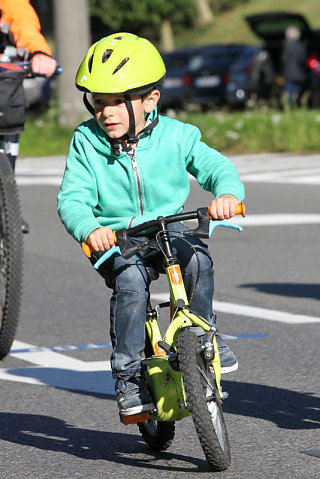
x=112, y=114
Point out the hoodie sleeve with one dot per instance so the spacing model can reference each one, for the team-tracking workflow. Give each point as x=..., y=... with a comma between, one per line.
x=24, y=25
x=78, y=196
x=214, y=172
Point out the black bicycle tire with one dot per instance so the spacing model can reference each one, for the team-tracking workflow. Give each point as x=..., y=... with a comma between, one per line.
x=11, y=256
x=157, y=434
x=187, y=347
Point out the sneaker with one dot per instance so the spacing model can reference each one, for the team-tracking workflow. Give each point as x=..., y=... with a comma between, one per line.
x=228, y=360
x=133, y=396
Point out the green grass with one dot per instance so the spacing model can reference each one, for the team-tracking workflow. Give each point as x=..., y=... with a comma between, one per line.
x=260, y=131
x=263, y=130
x=43, y=136
x=230, y=26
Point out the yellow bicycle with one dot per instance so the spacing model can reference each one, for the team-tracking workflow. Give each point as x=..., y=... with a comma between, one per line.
x=183, y=367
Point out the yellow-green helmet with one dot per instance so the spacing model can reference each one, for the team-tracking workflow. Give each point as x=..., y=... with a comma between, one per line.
x=121, y=63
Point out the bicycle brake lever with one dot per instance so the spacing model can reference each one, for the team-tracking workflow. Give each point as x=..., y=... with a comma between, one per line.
x=225, y=224
x=106, y=255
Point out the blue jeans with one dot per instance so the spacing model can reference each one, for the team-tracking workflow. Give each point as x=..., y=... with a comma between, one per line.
x=130, y=283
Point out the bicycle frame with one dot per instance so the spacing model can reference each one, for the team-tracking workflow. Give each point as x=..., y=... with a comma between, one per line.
x=166, y=383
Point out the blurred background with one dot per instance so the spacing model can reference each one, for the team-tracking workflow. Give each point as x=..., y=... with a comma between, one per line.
x=224, y=69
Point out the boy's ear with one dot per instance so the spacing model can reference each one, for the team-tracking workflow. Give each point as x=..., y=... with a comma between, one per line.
x=152, y=100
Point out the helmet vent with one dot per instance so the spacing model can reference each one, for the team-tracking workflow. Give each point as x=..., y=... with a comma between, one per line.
x=106, y=55
x=120, y=65
x=90, y=63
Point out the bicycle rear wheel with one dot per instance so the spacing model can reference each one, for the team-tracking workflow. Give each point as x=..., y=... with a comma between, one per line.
x=203, y=401
x=11, y=256
x=158, y=435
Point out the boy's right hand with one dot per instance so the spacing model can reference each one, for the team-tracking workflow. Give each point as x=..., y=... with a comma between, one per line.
x=101, y=239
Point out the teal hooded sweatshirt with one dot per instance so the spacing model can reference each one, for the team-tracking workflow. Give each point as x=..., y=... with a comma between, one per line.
x=102, y=189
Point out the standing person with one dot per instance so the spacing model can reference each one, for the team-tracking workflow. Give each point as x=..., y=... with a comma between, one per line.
x=128, y=165
x=293, y=59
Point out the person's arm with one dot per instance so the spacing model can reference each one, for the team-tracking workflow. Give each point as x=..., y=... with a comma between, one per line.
x=215, y=173
x=25, y=28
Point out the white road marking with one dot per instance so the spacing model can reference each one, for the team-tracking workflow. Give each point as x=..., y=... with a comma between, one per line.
x=253, y=312
x=58, y=370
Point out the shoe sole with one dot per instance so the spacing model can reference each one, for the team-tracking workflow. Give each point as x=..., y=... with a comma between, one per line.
x=137, y=410
x=229, y=369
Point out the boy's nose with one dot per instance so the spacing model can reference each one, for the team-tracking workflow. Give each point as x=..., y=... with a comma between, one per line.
x=107, y=110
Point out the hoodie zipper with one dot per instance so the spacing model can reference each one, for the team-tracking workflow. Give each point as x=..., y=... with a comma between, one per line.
x=136, y=172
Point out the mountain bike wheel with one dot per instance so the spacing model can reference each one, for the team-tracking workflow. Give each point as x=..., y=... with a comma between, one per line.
x=11, y=256
x=158, y=435
x=203, y=401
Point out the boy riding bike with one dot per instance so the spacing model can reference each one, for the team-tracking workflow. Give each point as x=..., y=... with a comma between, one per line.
x=125, y=166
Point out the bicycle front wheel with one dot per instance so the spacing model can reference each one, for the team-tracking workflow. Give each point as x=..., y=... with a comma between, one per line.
x=203, y=401
x=11, y=256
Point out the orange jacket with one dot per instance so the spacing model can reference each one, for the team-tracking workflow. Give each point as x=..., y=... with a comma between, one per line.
x=24, y=26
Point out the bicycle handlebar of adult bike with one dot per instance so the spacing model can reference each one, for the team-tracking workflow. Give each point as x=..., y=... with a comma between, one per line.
x=26, y=67
x=202, y=214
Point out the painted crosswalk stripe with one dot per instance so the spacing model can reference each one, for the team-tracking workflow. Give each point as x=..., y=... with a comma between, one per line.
x=50, y=368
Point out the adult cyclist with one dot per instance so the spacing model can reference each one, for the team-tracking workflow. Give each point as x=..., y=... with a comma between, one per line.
x=20, y=26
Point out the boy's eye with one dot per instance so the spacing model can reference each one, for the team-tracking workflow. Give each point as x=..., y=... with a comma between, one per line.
x=119, y=101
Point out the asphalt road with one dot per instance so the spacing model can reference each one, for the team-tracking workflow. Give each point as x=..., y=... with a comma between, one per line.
x=58, y=415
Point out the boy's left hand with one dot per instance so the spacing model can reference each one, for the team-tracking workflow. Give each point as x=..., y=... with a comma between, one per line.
x=224, y=207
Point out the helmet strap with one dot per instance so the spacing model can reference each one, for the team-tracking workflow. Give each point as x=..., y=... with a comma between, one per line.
x=88, y=105
x=131, y=136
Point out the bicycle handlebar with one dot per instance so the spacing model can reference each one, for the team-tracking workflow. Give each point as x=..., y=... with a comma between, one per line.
x=26, y=67
x=202, y=231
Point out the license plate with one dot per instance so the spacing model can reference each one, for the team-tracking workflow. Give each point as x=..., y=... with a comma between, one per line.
x=210, y=81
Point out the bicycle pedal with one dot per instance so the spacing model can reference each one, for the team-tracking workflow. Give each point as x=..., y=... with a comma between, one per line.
x=135, y=418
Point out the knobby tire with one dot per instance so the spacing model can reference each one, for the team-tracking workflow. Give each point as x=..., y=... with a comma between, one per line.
x=203, y=401
x=11, y=256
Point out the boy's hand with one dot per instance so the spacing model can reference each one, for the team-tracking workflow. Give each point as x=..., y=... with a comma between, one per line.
x=101, y=239
x=224, y=207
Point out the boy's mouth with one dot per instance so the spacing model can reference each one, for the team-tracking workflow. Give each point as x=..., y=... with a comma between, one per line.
x=111, y=126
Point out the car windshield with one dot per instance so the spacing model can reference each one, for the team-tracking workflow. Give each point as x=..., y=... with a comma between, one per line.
x=219, y=60
x=175, y=61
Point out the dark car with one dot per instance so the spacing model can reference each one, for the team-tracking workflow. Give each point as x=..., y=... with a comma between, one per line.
x=176, y=63
x=205, y=81
x=238, y=88
x=271, y=28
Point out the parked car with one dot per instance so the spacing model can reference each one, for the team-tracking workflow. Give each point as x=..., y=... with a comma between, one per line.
x=176, y=63
x=271, y=27
x=204, y=84
x=238, y=88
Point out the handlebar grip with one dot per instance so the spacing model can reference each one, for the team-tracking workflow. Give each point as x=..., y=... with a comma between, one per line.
x=241, y=209
x=88, y=250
